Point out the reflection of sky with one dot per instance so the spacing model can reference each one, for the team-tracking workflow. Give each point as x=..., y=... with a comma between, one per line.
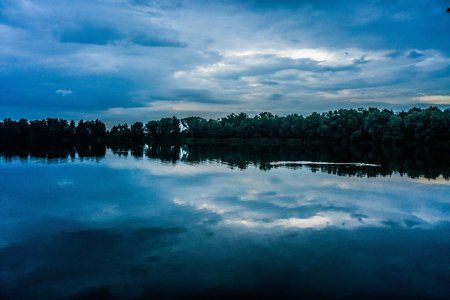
x=127, y=188
x=300, y=198
x=140, y=220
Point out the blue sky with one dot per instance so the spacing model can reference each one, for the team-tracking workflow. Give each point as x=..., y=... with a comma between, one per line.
x=131, y=60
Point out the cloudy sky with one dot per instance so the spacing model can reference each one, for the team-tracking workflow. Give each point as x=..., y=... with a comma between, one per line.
x=125, y=60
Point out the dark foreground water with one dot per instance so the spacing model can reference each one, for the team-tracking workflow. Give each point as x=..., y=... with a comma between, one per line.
x=218, y=223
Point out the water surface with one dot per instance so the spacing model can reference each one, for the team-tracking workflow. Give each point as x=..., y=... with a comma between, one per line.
x=177, y=222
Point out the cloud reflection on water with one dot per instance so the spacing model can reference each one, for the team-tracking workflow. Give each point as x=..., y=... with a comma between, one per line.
x=287, y=198
x=127, y=227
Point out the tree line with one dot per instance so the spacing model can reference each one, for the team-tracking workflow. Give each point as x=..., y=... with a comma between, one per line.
x=430, y=126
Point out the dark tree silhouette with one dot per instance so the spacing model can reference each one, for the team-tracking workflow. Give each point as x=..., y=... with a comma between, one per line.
x=368, y=126
x=415, y=127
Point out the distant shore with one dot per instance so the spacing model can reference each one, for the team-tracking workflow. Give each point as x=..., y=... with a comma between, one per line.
x=415, y=128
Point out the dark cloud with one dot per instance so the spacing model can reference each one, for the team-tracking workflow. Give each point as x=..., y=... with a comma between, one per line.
x=269, y=82
x=88, y=34
x=415, y=54
x=276, y=96
x=128, y=54
x=394, y=54
x=192, y=94
x=102, y=35
x=198, y=95
x=149, y=41
x=95, y=92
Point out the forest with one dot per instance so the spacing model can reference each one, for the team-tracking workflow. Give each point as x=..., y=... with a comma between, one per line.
x=371, y=126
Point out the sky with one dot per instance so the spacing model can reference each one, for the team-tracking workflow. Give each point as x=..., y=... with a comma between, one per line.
x=129, y=60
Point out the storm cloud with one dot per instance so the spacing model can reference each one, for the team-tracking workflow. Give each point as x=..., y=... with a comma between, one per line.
x=138, y=60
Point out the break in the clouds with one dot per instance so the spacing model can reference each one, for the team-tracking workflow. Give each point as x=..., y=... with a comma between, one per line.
x=129, y=60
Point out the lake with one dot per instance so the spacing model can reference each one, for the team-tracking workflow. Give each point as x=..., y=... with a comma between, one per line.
x=203, y=222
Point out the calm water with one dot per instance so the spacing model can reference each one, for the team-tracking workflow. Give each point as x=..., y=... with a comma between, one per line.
x=196, y=223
